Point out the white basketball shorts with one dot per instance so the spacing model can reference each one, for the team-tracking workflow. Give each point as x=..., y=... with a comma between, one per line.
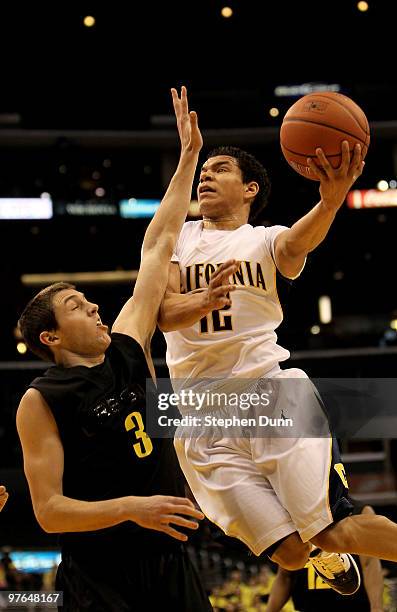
x=262, y=487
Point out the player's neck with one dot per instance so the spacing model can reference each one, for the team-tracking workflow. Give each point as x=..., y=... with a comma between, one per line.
x=69, y=360
x=230, y=223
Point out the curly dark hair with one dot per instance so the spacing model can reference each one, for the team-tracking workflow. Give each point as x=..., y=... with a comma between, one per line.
x=252, y=170
x=39, y=316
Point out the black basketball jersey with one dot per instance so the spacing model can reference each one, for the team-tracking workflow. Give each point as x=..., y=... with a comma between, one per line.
x=311, y=594
x=100, y=412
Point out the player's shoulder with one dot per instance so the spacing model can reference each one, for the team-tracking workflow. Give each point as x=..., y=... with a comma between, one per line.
x=31, y=396
x=32, y=407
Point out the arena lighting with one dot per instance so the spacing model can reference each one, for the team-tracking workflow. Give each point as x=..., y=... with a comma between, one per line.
x=274, y=112
x=21, y=348
x=86, y=209
x=315, y=330
x=26, y=208
x=382, y=185
x=226, y=11
x=325, y=309
x=393, y=324
x=89, y=21
x=362, y=6
x=88, y=278
x=291, y=91
x=134, y=208
x=371, y=198
x=33, y=561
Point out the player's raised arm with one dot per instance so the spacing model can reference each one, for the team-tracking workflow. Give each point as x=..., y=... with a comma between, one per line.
x=139, y=315
x=293, y=245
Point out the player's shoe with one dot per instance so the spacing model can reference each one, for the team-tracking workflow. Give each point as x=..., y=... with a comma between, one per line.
x=338, y=570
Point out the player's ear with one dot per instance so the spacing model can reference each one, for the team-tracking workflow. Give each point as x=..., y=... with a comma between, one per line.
x=251, y=189
x=49, y=338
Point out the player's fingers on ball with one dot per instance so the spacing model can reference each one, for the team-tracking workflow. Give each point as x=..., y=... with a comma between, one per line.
x=357, y=155
x=2, y=489
x=322, y=159
x=316, y=171
x=345, y=158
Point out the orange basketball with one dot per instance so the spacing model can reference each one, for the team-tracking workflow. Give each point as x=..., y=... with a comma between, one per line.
x=322, y=120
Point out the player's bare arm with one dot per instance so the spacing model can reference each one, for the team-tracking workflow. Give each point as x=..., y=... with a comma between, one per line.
x=139, y=315
x=44, y=465
x=3, y=497
x=293, y=245
x=183, y=310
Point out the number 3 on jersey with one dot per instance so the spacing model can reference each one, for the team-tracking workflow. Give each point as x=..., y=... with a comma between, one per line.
x=144, y=446
x=216, y=321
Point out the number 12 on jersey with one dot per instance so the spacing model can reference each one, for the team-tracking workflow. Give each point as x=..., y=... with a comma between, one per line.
x=216, y=321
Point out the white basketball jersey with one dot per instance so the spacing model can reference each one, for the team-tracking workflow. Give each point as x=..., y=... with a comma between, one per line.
x=238, y=341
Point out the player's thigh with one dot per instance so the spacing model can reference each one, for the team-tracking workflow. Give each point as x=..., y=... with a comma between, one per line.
x=309, y=481
x=232, y=491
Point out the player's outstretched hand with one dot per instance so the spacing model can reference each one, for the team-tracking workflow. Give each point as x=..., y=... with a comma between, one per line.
x=159, y=512
x=187, y=123
x=336, y=182
x=217, y=294
x=3, y=497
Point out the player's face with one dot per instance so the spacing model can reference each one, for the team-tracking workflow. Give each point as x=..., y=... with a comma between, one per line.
x=80, y=328
x=221, y=189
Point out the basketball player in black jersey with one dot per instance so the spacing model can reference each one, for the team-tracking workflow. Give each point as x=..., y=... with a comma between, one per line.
x=310, y=594
x=115, y=495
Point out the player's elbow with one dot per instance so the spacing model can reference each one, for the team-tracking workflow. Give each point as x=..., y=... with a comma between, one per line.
x=45, y=522
x=165, y=322
x=46, y=518
x=169, y=315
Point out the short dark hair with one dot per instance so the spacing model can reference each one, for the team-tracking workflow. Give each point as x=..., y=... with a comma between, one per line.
x=252, y=170
x=39, y=316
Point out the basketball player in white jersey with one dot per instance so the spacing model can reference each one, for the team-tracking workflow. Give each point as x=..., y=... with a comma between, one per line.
x=286, y=497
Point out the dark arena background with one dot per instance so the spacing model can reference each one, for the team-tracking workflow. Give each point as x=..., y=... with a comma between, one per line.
x=88, y=144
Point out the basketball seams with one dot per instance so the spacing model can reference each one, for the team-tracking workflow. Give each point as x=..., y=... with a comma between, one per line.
x=304, y=156
x=347, y=109
x=327, y=125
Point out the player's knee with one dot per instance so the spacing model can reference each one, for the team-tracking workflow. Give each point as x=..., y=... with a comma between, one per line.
x=340, y=537
x=292, y=554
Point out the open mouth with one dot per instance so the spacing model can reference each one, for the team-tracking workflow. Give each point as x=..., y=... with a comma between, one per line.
x=206, y=189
